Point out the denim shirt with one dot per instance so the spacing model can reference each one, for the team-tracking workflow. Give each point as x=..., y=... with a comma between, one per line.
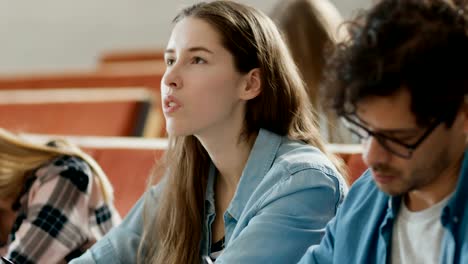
x=287, y=193
x=361, y=232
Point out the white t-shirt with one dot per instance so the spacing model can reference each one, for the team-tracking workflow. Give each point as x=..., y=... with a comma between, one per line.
x=417, y=236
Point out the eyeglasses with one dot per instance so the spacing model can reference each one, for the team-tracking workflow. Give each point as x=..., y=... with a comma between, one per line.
x=392, y=145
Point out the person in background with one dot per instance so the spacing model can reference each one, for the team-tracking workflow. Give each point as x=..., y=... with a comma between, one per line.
x=55, y=201
x=311, y=29
x=401, y=84
x=247, y=178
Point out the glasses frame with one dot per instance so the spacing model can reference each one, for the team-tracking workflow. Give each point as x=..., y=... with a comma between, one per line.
x=382, y=138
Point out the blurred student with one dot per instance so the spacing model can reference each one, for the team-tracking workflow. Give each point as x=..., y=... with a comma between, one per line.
x=55, y=201
x=311, y=29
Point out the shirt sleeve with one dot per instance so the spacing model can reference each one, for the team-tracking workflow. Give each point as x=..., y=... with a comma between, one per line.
x=290, y=219
x=322, y=253
x=51, y=226
x=120, y=245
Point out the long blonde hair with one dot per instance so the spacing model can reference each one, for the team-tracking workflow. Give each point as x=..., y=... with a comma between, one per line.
x=174, y=235
x=312, y=28
x=18, y=156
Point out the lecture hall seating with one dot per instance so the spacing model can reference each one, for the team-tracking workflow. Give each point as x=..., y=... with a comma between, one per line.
x=122, y=78
x=100, y=112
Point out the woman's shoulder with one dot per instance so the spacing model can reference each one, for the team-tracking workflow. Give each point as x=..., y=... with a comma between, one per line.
x=295, y=156
x=298, y=166
x=287, y=156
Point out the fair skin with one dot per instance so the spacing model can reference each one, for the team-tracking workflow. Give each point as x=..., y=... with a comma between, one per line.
x=204, y=95
x=432, y=172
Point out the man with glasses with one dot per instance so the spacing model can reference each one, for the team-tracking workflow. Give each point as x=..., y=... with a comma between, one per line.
x=400, y=84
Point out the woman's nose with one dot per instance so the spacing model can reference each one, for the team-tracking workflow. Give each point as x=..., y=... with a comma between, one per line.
x=172, y=77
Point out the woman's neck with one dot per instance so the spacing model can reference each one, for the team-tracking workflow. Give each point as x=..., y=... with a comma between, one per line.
x=229, y=153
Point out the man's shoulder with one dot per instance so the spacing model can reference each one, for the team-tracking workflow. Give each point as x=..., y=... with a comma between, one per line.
x=364, y=198
x=365, y=183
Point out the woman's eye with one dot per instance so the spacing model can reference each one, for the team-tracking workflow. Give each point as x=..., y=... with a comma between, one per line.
x=198, y=60
x=169, y=61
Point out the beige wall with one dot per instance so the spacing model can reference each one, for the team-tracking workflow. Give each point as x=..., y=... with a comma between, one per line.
x=68, y=34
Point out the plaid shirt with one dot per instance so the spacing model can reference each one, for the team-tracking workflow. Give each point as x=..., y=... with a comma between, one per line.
x=60, y=212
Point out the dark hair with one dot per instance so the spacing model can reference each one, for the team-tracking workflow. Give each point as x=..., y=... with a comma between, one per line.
x=418, y=45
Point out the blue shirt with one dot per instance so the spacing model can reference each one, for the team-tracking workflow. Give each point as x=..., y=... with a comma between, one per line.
x=361, y=232
x=287, y=193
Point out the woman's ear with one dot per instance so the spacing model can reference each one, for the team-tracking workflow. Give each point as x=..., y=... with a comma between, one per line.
x=252, y=85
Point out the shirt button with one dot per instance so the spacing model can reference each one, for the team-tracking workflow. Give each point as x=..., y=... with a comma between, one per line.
x=455, y=219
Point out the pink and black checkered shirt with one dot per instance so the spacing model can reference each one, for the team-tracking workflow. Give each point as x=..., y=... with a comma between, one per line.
x=61, y=211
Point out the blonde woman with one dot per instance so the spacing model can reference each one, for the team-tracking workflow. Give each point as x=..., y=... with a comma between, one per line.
x=310, y=29
x=247, y=179
x=54, y=201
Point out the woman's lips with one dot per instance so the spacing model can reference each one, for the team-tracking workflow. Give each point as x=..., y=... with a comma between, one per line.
x=170, y=104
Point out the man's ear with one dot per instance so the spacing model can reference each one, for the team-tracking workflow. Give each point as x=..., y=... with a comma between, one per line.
x=252, y=85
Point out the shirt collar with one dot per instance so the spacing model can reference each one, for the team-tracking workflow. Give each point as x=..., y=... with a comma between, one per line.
x=258, y=164
x=457, y=202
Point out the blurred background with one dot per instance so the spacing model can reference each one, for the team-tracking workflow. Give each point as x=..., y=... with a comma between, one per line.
x=90, y=71
x=50, y=35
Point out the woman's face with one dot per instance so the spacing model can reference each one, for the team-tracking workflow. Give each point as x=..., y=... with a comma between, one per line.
x=201, y=88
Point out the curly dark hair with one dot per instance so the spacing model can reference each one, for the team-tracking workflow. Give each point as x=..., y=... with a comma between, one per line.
x=419, y=45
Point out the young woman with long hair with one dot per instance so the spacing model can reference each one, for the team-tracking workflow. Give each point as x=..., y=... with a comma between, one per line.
x=246, y=177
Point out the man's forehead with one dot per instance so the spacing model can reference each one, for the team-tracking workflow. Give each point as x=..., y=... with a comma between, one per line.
x=387, y=112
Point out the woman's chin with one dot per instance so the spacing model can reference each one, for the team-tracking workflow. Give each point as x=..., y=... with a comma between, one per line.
x=177, y=132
